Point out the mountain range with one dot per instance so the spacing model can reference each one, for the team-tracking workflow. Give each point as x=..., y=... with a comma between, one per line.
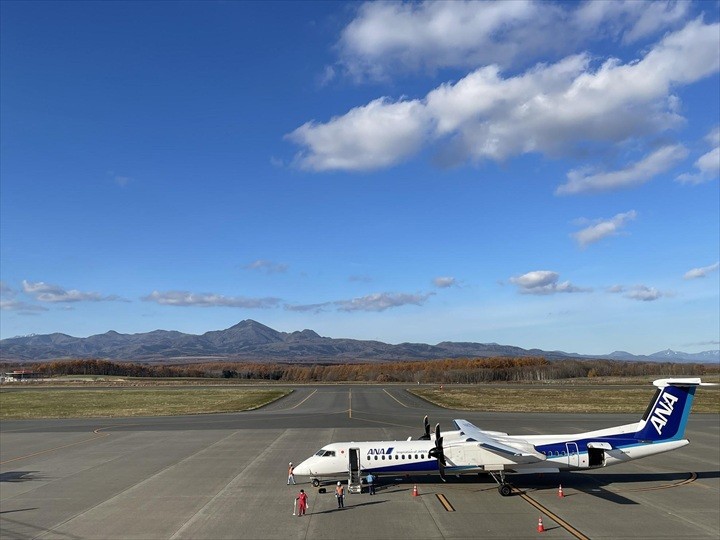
x=251, y=341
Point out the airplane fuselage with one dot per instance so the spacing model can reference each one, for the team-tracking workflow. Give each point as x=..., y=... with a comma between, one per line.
x=563, y=452
x=472, y=450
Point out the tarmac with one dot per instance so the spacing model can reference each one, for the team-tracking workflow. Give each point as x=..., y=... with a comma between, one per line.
x=224, y=476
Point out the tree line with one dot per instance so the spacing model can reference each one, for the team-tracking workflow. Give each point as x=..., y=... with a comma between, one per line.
x=460, y=371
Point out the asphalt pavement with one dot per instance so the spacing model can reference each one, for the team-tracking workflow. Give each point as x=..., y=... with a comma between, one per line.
x=224, y=476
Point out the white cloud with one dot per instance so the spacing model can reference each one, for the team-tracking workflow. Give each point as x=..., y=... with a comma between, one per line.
x=17, y=305
x=701, y=272
x=643, y=293
x=543, y=282
x=185, y=299
x=304, y=308
x=708, y=165
x=381, y=301
x=371, y=302
x=443, y=282
x=269, y=267
x=603, y=228
x=632, y=175
x=390, y=37
x=46, y=292
x=551, y=109
x=6, y=291
x=630, y=20
x=376, y=135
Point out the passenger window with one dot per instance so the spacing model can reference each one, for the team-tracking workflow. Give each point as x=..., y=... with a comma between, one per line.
x=422, y=456
x=375, y=458
x=383, y=458
x=403, y=456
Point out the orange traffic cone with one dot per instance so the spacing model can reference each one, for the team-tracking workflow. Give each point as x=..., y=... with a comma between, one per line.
x=540, y=525
x=415, y=493
x=560, y=492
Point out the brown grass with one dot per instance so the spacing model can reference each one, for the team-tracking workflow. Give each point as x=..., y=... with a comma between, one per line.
x=566, y=400
x=71, y=403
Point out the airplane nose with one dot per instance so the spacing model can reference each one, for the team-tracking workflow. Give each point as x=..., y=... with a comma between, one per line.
x=302, y=469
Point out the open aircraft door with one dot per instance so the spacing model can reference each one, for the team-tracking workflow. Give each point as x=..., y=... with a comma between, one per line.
x=573, y=454
x=596, y=453
x=354, y=480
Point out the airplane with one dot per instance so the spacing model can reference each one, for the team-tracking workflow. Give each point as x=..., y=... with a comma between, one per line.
x=469, y=449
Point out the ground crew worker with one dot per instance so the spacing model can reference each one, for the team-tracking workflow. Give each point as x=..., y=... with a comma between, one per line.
x=291, y=475
x=302, y=502
x=371, y=485
x=340, y=494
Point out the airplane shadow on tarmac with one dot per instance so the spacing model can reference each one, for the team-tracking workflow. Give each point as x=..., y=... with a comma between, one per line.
x=610, y=486
x=18, y=476
x=607, y=486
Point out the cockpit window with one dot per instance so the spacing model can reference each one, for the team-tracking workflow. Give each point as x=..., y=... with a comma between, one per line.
x=325, y=453
x=330, y=453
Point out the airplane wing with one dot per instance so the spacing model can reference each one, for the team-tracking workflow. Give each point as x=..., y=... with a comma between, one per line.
x=512, y=449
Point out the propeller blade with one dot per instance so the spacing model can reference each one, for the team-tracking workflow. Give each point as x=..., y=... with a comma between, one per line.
x=438, y=453
x=426, y=424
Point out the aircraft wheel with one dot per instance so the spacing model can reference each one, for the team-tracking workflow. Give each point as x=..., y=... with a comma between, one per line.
x=315, y=482
x=505, y=490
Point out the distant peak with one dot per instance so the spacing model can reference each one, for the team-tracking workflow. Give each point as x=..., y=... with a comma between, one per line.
x=249, y=323
x=305, y=334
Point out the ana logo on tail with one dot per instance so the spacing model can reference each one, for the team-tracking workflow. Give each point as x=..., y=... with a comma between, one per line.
x=663, y=410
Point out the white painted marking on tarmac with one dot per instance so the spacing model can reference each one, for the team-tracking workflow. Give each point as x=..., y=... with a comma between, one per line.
x=396, y=399
x=303, y=401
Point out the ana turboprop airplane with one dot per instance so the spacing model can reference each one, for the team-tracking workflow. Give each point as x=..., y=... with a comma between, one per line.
x=472, y=450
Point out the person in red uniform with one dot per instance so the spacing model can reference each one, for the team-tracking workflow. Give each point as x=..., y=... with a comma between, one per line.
x=302, y=502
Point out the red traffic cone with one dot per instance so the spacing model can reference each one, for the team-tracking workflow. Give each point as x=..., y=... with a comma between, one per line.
x=560, y=492
x=540, y=527
x=415, y=493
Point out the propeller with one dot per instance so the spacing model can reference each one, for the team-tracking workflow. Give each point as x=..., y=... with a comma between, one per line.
x=426, y=436
x=438, y=452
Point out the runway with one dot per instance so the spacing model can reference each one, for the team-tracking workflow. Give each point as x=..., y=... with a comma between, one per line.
x=224, y=476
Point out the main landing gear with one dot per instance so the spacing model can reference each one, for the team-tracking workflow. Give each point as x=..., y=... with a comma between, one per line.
x=315, y=482
x=504, y=488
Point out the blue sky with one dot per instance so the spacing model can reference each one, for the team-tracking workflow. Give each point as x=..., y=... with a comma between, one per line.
x=527, y=173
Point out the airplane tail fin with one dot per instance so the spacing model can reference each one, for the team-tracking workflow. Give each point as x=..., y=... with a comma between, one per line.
x=667, y=413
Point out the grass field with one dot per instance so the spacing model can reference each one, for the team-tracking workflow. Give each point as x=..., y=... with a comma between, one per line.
x=562, y=400
x=72, y=403
x=147, y=397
